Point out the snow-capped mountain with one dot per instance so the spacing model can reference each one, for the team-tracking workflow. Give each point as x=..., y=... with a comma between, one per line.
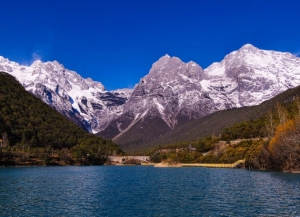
x=84, y=101
x=177, y=92
x=250, y=76
x=171, y=91
x=170, y=88
x=171, y=94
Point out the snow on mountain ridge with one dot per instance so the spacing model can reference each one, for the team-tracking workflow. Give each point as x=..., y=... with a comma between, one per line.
x=84, y=101
x=268, y=72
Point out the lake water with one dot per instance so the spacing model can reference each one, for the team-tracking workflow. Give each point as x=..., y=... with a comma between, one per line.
x=146, y=191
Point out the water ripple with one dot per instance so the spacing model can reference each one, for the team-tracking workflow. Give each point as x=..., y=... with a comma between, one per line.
x=147, y=191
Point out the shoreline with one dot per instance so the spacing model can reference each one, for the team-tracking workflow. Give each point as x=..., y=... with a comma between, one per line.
x=156, y=165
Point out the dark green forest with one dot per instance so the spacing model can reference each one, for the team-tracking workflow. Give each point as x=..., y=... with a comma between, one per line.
x=34, y=133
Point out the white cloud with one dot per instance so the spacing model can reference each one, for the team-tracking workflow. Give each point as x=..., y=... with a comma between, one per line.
x=36, y=56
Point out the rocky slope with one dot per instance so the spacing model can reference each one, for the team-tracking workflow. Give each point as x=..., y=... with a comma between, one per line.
x=216, y=123
x=170, y=95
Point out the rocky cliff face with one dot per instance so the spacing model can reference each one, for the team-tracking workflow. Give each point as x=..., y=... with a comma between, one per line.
x=171, y=94
x=171, y=88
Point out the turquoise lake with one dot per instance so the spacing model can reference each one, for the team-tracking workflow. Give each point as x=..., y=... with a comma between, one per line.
x=146, y=191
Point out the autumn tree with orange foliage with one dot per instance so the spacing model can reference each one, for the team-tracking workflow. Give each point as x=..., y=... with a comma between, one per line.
x=285, y=146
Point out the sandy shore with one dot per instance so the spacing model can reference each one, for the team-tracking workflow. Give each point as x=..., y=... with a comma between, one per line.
x=167, y=165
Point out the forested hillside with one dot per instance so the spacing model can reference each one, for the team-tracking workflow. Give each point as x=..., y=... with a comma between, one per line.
x=31, y=132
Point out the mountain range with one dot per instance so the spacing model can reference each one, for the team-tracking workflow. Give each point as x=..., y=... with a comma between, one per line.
x=84, y=101
x=171, y=94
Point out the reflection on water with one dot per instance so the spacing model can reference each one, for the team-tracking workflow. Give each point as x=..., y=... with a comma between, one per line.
x=147, y=191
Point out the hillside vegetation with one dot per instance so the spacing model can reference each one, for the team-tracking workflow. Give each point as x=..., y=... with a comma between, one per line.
x=34, y=133
x=269, y=139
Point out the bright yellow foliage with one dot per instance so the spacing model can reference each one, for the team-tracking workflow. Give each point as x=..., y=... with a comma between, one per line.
x=281, y=132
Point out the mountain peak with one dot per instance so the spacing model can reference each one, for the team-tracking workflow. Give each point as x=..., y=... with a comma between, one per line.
x=248, y=47
x=36, y=62
x=162, y=61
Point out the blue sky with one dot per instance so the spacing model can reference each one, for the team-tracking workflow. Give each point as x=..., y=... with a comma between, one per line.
x=116, y=41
